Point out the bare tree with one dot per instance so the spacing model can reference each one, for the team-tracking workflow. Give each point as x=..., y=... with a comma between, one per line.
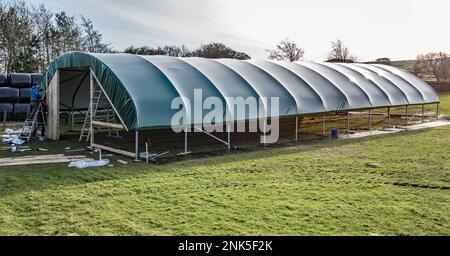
x=33, y=36
x=287, y=50
x=219, y=50
x=340, y=53
x=16, y=36
x=45, y=31
x=177, y=51
x=211, y=50
x=92, y=39
x=436, y=64
x=145, y=50
x=68, y=33
x=168, y=50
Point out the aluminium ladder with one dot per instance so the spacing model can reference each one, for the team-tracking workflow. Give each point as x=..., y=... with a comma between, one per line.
x=86, y=130
x=31, y=124
x=110, y=116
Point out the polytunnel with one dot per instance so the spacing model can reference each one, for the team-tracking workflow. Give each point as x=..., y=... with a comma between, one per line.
x=141, y=88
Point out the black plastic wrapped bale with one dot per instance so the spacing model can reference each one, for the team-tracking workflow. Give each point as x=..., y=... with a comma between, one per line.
x=20, y=111
x=36, y=78
x=3, y=80
x=25, y=95
x=8, y=107
x=9, y=95
x=18, y=80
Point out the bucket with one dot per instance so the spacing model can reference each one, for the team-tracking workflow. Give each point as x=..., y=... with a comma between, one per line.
x=335, y=133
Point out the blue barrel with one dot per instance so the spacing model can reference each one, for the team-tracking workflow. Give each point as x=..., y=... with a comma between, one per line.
x=335, y=133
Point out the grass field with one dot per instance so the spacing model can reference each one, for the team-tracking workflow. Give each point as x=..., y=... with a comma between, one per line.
x=320, y=189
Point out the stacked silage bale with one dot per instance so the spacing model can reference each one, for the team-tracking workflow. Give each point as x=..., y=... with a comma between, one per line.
x=15, y=95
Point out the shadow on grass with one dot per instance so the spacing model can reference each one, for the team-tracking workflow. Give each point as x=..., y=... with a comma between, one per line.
x=22, y=179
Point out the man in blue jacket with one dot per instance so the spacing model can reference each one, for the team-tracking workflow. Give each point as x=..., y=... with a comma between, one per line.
x=37, y=95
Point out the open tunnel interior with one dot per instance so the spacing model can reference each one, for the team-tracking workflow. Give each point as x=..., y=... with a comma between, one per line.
x=74, y=89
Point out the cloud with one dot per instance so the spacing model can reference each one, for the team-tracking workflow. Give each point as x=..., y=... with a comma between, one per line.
x=398, y=29
x=157, y=22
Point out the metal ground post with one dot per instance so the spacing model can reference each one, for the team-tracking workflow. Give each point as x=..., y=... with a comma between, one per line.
x=437, y=111
x=423, y=113
x=185, y=139
x=389, y=117
x=136, y=145
x=348, y=124
x=406, y=115
x=265, y=132
x=229, y=136
x=91, y=108
x=324, y=124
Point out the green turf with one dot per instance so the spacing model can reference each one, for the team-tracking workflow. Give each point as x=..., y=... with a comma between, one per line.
x=445, y=103
x=319, y=189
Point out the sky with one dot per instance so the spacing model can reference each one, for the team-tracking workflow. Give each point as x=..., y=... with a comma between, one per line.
x=398, y=29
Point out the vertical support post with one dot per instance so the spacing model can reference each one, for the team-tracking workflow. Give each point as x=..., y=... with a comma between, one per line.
x=44, y=123
x=389, y=117
x=91, y=109
x=108, y=120
x=46, y=93
x=348, y=124
x=185, y=139
x=136, y=145
x=437, y=111
x=72, y=115
x=146, y=151
x=52, y=96
x=370, y=120
x=323, y=124
x=46, y=80
x=423, y=113
x=265, y=132
x=406, y=116
x=228, y=135
x=296, y=128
